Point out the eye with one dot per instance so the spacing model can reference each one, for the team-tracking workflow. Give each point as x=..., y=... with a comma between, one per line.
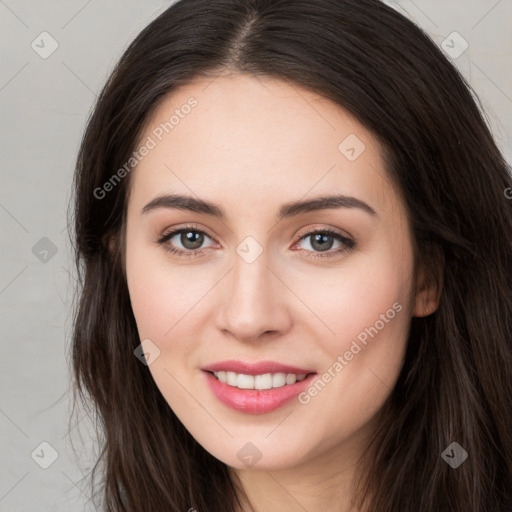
x=190, y=237
x=322, y=240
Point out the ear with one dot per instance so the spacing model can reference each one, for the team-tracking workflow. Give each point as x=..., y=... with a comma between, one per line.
x=429, y=286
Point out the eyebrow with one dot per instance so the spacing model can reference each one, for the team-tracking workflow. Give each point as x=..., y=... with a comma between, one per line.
x=287, y=210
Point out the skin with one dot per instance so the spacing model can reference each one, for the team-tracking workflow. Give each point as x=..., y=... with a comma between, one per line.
x=250, y=145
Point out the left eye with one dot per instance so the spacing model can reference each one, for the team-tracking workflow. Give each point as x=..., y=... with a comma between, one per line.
x=192, y=239
x=323, y=240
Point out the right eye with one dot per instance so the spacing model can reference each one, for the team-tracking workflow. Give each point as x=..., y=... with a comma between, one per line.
x=189, y=237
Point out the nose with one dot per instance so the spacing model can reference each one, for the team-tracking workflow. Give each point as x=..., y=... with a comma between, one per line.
x=254, y=301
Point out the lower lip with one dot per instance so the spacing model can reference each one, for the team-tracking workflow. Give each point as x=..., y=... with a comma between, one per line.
x=256, y=401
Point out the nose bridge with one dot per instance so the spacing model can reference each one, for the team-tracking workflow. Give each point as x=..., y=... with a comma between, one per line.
x=250, y=277
x=253, y=302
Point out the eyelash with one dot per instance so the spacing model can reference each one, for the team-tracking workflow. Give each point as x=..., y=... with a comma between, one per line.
x=348, y=243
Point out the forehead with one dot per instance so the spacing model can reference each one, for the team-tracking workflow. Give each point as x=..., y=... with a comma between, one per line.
x=255, y=139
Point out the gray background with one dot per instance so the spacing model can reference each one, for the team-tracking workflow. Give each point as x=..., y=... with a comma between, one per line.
x=44, y=104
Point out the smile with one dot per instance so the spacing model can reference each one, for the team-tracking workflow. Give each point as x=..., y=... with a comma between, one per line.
x=263, y=381
x=247, y=398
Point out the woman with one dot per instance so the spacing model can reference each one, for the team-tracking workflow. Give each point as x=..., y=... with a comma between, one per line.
x=293, y=234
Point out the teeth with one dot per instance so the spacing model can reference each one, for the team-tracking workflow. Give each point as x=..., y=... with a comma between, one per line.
x=291, y=378
x=265, y=381
x=278, y=380
x=231, y=378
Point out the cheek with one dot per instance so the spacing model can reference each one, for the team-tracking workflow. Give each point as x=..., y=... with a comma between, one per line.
x=163, y=297
x=365, y=310
x=158, y=300
x=358, y=298
x=150, y=290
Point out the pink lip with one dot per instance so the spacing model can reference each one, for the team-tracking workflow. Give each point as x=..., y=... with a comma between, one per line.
x=256, y=401
x=259, y=368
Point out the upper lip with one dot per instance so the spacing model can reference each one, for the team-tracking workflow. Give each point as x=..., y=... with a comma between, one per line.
x=258, y=368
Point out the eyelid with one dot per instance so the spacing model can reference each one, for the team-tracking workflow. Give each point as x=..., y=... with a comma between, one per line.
x=191, y=227
x=322, y=229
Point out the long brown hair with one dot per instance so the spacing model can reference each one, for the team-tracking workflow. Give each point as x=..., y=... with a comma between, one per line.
x=456, y=382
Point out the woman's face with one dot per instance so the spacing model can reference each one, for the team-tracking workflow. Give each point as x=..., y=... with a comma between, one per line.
x=266, y=283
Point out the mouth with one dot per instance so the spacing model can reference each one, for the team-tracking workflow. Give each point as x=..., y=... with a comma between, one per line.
x=259, y=381
x=256, y=394
x=256, y=368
